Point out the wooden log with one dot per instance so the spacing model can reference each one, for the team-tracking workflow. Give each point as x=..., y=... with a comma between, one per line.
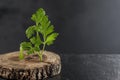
x=30, y=68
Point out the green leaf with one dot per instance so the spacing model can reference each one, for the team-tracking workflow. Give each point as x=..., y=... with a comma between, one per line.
x=51, y=38
x=30, y=31
x=43, y=27
x=30, y=51
x=34, y=17
x=40, y=29
x=37, y=48
x=47, y=24
x=38, y=16
x=50, y=30
x=40, y=13
x=26, y=45
x=44, y=21
x=35, y=40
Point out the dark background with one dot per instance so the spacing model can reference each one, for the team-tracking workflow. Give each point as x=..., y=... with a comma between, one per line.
x=84, y=25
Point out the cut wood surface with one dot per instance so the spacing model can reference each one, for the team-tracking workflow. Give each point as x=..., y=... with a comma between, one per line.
x=30, y=68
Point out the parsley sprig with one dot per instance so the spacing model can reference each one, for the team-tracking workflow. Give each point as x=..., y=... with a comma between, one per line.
x=39, y=35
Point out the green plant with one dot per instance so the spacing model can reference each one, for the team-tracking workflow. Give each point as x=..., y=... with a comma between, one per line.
x=39, y=35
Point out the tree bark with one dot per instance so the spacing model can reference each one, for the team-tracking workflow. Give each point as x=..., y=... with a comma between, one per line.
x=30, y=68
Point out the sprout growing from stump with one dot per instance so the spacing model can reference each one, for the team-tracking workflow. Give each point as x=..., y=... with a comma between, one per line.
x=39, y=35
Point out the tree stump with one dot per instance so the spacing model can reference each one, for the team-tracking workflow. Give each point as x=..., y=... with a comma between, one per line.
x=30, y=68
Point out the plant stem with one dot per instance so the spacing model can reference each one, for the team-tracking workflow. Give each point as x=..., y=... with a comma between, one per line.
x=37, y=34
x=40, y=56
x=44, y=38
x=21, y=56
x=41, y=53
x=43, y=48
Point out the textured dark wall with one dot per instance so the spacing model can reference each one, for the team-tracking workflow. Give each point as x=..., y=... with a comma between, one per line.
x=84, y=25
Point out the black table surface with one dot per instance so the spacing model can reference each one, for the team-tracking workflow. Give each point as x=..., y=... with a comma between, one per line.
x=89, y=67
